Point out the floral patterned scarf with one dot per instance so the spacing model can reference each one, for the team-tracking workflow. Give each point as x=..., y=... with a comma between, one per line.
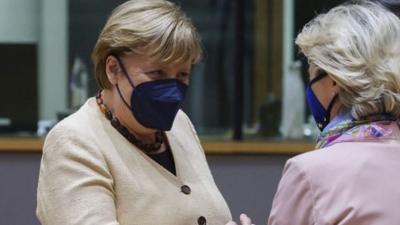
x=344, y=128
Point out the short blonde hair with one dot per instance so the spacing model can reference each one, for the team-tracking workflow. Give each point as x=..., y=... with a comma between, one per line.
x=358, y=45
x=155, y=28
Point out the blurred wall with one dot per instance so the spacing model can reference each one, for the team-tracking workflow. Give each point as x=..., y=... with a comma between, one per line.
x=19, y=21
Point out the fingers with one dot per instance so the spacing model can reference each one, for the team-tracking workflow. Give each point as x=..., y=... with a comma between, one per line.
x=245, y=220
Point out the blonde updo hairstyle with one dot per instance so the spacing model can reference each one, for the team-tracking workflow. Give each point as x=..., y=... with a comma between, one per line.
x=358, y=45
x=155, y=28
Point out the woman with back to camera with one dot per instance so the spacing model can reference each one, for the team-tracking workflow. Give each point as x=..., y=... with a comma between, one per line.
x=130, y=156
x=354, y=96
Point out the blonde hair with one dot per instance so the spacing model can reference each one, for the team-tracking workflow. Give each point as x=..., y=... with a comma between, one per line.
x=154, y=28
x=358, y=45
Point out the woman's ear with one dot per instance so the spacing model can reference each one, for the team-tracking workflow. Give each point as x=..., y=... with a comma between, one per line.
x=113, y=69
x=335, y=86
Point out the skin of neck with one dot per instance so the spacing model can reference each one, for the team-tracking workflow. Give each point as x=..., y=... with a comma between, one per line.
x=336, y=109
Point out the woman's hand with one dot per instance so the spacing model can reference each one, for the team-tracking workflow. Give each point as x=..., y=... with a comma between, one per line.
x=244, y=220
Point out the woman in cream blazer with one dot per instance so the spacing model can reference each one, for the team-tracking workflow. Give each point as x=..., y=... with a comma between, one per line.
x=354, y=96
x=130, y=156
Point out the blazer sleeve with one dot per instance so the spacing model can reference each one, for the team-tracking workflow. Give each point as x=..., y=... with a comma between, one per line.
x=293, y=202
x=75, y=186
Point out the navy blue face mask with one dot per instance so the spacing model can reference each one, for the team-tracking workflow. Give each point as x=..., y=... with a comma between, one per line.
x=154, y=104
x=320, y=114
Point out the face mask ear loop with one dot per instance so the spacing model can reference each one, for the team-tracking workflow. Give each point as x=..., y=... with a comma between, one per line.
x=129, y=80
x=124, y=71
x=331, y=106
x=318, y=77
x=122, y=97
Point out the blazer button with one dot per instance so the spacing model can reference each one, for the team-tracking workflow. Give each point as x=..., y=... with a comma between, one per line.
x=185, y=189
x=202, y=220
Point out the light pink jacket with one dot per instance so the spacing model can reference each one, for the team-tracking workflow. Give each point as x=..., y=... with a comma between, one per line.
x=353, y=183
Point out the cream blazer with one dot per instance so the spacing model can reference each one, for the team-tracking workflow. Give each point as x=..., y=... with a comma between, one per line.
x=91, y=175
x=344, y=184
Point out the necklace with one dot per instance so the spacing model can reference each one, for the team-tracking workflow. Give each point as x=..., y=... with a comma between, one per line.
x=148, y=148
